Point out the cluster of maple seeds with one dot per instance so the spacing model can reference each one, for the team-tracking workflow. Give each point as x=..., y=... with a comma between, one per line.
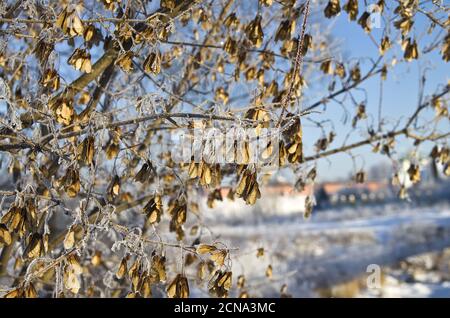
x=50, y=79
x=177, y=210
x=442, y=155
x=141, y=276
x=81, y=60
x=248, y=188
x=291, y=148
x=220, y=282
x=70, y=23
x=406, y=10
x=153, y=209
x=237, y=51
x=208, y=174
x=63, y=110
x=21, y=221
x=28, y=291
x=142, y=279
x=438, y=154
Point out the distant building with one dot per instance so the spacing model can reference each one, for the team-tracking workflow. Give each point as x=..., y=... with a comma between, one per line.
x=281, y=198
x=350, y=192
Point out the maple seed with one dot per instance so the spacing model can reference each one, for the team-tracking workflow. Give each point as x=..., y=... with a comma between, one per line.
x=63, y=110
x=168, y=4
x=351, y=7
x=411, y=50
x=153, y=209
x=5, y=235
x=360, y=177
x=241, y=281
x=414, y=173
x=122, y=270
x=81, y=60
x=248, y=188
x=152, y=63
x=269, y=271
x=69, y=240
x=204, y=249
x=332, y=9
x=86, y=150
x=231, y=21
x=89, y=32
x=220, y=283
x=218, y=257
x=260, y=252
x=145, y=173
x=178, y=288
x=125, y=61
x=254, y=31
x=114, y=188
x=50, y=79
x=70, y=23
x=71, y=182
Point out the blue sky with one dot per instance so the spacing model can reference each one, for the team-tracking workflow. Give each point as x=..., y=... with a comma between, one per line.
x=400, y=91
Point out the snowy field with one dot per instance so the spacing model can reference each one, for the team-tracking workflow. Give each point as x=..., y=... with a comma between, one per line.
x=335, y=247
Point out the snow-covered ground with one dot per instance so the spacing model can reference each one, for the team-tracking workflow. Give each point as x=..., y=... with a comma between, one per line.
x=395, y=288
x=425, y=275
x=337, y=246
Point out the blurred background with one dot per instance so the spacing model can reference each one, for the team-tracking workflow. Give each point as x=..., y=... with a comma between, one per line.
x=353, y=229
